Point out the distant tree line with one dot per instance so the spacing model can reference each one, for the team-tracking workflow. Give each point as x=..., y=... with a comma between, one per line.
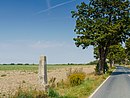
x=18, y=64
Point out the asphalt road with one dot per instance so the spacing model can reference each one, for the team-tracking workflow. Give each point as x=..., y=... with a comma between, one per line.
x=117, y=86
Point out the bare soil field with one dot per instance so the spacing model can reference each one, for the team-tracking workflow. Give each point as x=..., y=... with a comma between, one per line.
x=10, y=81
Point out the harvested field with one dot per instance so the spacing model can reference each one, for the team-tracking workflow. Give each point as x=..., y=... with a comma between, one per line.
x=11, y=80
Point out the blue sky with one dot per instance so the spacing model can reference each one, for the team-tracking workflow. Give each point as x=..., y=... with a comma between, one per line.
x=30, y=28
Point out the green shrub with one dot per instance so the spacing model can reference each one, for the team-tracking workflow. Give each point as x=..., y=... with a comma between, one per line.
x=76, y=77
x=52, y=93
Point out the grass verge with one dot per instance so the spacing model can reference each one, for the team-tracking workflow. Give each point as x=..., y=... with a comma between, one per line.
x=86, y=88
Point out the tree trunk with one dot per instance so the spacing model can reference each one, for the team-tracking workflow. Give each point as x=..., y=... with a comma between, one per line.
x=100, y=61
x=111, y=63
x=102, y=58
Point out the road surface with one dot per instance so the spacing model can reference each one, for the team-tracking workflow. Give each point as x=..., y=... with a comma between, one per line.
x=117, y=86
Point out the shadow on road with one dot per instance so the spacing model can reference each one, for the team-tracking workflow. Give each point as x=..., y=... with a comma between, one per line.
x=121, y=70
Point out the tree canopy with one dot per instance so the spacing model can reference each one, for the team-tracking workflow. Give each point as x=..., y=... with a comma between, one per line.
x=116, y=54
x=102, y=23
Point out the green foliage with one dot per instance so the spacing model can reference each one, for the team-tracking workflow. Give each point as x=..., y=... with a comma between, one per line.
x=127, y=45
x=117, y=53
x=109, y=72
x=52, y=93
x=102, y=23
x=76, y=77
x=96, y=53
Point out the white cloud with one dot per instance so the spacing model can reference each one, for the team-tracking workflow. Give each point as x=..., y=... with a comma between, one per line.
x=46, y=44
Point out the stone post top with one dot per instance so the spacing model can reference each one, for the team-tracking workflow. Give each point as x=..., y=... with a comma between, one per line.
x=42, y=57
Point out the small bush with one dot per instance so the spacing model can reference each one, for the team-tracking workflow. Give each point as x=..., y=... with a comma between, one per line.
x=52, y=93
x=109, y=72
x=76, y=77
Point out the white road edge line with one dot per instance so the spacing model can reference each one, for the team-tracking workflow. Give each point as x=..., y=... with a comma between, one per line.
x=100, y=86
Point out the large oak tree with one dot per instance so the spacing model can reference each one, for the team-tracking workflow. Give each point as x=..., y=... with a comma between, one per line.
x=102, y=23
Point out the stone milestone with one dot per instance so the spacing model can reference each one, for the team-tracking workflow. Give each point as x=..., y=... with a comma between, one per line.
x=42, y=71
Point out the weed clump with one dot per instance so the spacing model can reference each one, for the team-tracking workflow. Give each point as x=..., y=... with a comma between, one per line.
x=52, y=83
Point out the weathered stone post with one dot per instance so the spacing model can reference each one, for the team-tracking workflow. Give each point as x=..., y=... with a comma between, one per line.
x=42, y=73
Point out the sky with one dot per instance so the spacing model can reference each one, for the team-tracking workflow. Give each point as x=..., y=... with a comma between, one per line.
x=31, y=28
